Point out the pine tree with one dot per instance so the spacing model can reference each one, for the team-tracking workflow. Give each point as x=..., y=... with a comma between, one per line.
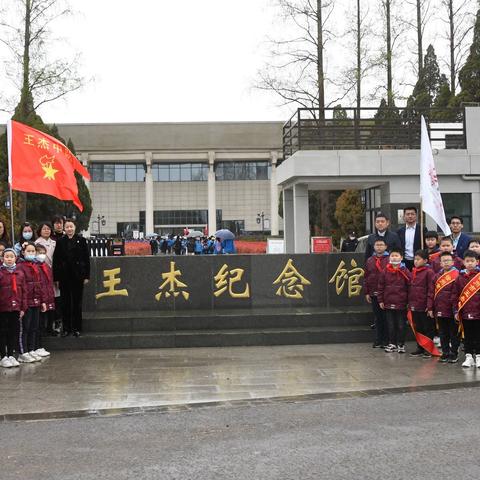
x=469, y=75
x=350, y=212
x=427, y=89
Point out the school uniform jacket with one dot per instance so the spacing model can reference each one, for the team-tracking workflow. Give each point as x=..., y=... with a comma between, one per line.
x=471, y=310
x=46, y=276
x=36, y=292
x=393, y=287
x=373, y=268
x=457, y=263
x=441, y=304
x=13, y=291
x=420, y=293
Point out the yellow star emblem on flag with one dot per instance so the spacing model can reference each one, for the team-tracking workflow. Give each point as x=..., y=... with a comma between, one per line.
x=47, y=167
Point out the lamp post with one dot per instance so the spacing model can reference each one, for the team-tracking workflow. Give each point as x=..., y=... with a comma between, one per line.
x=261, y=219
x=100, y=221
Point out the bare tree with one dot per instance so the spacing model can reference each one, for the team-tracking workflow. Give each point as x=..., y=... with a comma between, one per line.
x=358, y=33
x=34, y=71
x=458, y=17
x=296, y=68
x=422, y=14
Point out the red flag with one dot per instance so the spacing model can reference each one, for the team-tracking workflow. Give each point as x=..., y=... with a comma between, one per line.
x=39, y=163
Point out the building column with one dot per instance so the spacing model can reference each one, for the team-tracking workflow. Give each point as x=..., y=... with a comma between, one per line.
x=273, y=194
x=301, y=218
x=84, y=162
x=288, y=221
x=212, y=207
x=149, y=228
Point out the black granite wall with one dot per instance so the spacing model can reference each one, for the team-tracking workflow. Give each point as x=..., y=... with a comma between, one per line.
x=228, y=281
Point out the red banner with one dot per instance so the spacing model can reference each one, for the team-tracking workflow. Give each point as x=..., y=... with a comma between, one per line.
x=425, y=342
x=39, y=163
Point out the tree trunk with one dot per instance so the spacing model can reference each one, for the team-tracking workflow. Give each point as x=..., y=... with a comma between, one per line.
x=389, y=56
x=451, y=19
x=419, y=37
x=359, y=59
x=26, y=100
x=320, y=75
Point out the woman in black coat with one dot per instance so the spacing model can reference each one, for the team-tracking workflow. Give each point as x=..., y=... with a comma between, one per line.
x=71, y=269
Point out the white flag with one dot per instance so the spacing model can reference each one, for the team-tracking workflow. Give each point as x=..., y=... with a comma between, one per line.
x=429, y=190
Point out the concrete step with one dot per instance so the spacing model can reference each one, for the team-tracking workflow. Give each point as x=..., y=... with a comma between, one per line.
x=224, y=319
x=212, y=338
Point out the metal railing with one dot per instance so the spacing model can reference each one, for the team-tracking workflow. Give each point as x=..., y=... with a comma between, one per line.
x=371, y=129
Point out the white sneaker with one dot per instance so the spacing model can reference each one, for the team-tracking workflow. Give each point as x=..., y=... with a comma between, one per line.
x=25, y=358
x=469, y=361
x=477, y=360
x=14, y=362
x=391, y=348
x=436, y=341
x=41, y=352
x=5, y=362
x=401, y=349
x=36, y=358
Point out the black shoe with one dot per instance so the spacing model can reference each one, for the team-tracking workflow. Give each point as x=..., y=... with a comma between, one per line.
x=76, y=333
x=452, y=358
x=427, y=355
x=378, y=345
x=417, y=353
x=444, y=358
x=65, y=334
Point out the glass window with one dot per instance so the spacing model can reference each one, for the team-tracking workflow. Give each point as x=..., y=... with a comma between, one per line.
x=229, y=171
x=262, y=171
x=251, y=171
x=175, y=172
x=459, y=204
x=219, y=171
x=140, y=173
x=186, y=172
x=109, y=173
x=198, y=172
x=240, y=171
x=96, y=172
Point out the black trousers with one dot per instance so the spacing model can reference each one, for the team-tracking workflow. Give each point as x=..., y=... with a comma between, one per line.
x=71, y=291
x=381, y=334
x=397, y=326
x=423, y=324
x=29, y=330
x=9, y=331
x=47, y=319
x=471, y=329
x=449, y=338
x=409, y=264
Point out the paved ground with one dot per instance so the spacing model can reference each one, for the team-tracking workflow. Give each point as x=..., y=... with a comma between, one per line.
x=89, y=381
x=427, y=435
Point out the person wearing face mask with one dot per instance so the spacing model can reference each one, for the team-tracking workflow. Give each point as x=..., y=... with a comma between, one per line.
x=350, y=243
x=44, y=233
x=47, y=318
x=36, y=296
x=393, y=288
x=13, y=303
x=71, y=269
x=25, y=235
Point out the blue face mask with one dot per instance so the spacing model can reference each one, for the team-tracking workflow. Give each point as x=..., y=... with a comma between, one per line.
x=27, y=235
x=29, y=258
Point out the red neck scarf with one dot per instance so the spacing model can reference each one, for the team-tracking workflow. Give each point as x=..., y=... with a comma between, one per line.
x=34, y=268
x=417, y=270
x=398, y=270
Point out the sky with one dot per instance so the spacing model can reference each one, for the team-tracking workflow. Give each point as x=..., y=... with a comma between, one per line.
x=191, y=60
x=162, y=60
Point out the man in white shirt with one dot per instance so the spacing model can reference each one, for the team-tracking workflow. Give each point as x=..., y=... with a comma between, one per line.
x=410, y=236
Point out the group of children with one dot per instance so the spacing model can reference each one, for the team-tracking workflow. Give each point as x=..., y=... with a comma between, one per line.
x=441, y=294
x=27, y=304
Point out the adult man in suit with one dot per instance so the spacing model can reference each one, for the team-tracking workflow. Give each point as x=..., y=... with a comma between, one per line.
x=382, y=223
x=460, y=240
x=410, y=236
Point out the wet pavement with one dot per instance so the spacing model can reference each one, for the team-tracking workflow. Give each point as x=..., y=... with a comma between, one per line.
x=88, y=383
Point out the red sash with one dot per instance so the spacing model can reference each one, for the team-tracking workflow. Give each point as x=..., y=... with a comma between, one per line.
x=445, y=279
x=470, y=289
x=425, y=342
x=434, y=255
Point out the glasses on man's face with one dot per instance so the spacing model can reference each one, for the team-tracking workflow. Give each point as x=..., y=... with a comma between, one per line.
x=455, y=223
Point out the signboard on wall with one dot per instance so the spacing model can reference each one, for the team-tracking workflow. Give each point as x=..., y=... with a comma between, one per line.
x=321, y=244
x=275, y=245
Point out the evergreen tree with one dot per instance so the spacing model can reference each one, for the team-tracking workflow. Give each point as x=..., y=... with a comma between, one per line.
x=469, y=75
x=350, y=212
x=427, y=89
x=387, y=128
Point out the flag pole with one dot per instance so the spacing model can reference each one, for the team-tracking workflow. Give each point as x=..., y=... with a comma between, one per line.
x=421, y=224
x=9, y=148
